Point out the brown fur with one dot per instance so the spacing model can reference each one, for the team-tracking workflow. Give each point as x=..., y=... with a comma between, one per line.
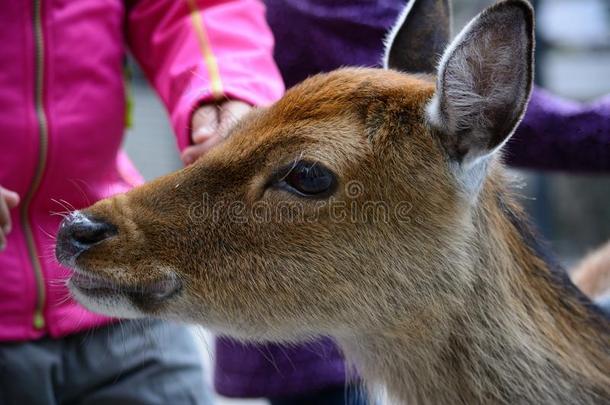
x=449, y=304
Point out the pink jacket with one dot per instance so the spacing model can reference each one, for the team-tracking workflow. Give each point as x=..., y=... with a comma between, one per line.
x=62, y=110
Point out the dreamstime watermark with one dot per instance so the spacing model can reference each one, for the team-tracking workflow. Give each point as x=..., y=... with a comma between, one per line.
x=350, y=207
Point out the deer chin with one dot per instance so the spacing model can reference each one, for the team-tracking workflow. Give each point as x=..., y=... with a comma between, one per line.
x=123, y=299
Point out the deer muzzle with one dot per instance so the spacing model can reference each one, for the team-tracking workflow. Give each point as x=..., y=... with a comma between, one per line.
x=79, y=233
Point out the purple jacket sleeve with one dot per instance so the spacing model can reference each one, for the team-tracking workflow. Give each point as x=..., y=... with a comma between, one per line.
x=273, y=370
x=562, y=135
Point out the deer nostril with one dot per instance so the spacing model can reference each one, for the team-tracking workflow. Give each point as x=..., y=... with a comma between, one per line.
x=77, y=233
x=90, y=232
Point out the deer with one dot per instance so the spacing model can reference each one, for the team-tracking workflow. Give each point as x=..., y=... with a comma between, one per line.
x=445, y=294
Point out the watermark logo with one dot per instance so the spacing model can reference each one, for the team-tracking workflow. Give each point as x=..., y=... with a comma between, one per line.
x=354, y=189
x=353, y=209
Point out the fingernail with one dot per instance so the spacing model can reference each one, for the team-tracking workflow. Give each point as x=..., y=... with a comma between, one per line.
x=207, y=128
x=205, y=131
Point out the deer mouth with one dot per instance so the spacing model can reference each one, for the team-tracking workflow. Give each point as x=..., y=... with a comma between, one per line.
x=98, y=287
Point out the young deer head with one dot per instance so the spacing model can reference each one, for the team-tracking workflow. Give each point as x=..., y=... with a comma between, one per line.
x=368, y=205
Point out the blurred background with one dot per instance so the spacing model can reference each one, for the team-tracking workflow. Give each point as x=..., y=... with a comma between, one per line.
x=573, y=61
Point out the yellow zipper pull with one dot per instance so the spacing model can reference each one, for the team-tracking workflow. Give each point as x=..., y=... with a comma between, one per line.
x=38, y=320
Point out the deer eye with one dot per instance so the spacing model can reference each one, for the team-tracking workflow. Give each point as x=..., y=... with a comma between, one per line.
x=308, y=179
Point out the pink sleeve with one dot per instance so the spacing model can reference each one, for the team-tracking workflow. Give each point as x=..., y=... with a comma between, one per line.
x=198, y=51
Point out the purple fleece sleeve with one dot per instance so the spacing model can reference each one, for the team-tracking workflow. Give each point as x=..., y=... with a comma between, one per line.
x=562, y=135
x=271, y=370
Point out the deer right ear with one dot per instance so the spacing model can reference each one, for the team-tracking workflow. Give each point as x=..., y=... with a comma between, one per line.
x=484, y=83
x=418, y=38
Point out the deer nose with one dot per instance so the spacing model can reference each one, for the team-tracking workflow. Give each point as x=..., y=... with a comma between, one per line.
x=78, y=233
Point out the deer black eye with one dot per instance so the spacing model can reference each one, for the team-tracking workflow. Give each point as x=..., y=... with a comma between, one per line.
x=308, y=179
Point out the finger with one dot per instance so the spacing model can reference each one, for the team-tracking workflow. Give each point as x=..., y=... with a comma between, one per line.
x=230, y=113
x=11, y=197
x=5, y=216
x=205, y=123
x=192, y=153
x=2, y=240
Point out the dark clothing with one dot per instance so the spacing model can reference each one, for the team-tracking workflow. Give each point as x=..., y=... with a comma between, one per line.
x=271, y=370
x=562, y=135
x=313, y=36
x=130, y=363
x=338, y=395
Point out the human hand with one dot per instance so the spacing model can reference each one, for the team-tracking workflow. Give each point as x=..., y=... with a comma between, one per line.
x=211, y=124
x=8, y=199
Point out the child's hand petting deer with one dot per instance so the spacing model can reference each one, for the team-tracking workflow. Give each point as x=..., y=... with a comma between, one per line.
x=370, y=205
x=210, y=125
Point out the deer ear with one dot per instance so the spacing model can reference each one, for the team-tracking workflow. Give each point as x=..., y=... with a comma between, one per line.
x=419, y=37
x=484, y=82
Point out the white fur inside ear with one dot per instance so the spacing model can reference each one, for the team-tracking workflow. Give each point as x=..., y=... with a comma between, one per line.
x=391, y=36
x=433, y=113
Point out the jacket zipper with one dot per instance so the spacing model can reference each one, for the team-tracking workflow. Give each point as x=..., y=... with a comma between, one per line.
x=43, y=135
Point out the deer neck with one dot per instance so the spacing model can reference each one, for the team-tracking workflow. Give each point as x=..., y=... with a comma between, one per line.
x=520, y=332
